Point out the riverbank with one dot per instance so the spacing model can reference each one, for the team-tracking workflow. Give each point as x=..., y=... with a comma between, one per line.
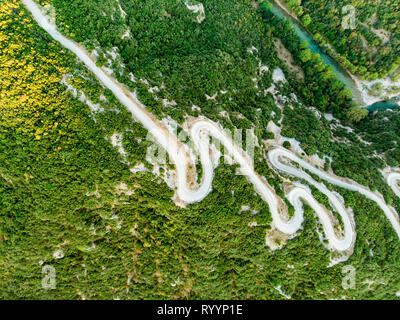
x=364, y=86
x=305, y=35
x=360, y=88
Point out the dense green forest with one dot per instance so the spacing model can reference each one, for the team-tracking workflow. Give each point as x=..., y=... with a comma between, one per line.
x=63, y=185
x=371, y=49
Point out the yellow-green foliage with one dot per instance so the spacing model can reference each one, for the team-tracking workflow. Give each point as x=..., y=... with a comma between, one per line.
x=30, y=76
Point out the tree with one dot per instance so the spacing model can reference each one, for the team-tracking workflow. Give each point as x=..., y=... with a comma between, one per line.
x=356, y=114
x=287, y=145
x=306, y=19
x=306, y=55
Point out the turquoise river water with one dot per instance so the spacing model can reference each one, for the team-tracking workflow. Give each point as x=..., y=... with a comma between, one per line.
x=337, y=69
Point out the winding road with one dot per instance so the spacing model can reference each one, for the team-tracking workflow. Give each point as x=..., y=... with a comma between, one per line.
x=393, y=181
x=201, y=129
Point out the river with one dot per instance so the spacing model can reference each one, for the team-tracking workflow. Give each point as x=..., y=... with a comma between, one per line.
x=340, y=72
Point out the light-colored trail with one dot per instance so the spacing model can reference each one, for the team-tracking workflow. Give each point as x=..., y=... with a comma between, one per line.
x=201, y=129
x=393, y=181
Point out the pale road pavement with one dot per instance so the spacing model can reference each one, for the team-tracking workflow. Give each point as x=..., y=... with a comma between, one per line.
x=393, y=181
